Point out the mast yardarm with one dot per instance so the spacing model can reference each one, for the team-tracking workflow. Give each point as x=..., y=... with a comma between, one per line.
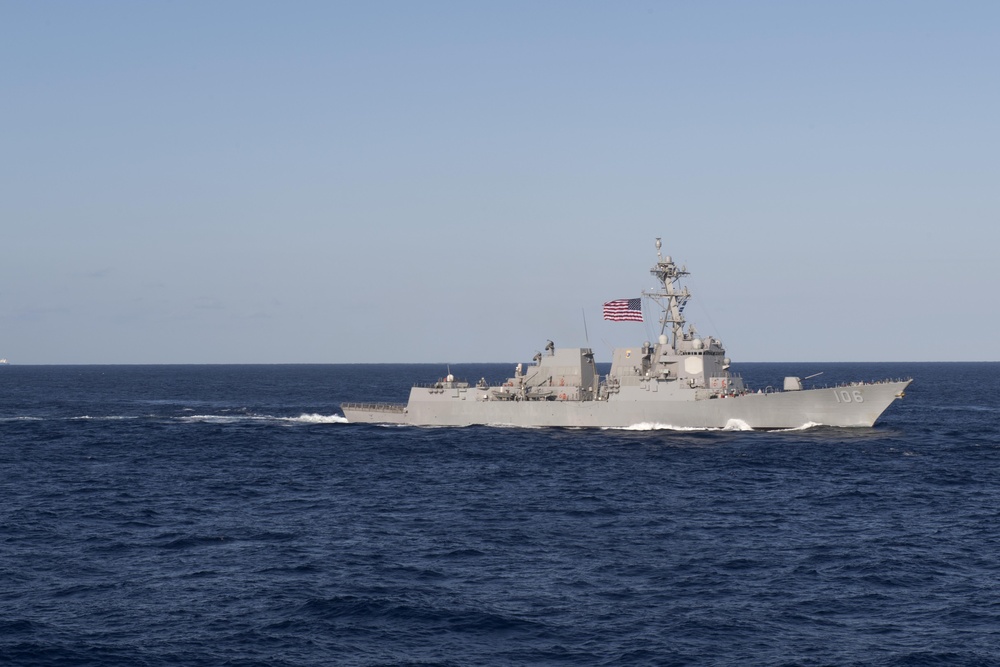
x=671, y=297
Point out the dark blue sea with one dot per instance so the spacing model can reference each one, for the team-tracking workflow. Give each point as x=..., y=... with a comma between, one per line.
x=225, y=515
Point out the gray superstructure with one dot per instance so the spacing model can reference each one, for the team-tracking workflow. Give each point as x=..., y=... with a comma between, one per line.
x=681, y=381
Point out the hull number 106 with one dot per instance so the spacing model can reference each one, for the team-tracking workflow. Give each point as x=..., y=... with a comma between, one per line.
x=845, y=396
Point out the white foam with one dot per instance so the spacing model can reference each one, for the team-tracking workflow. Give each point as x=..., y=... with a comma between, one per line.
x=217, y=419
x=233, y=419
x=804, y=427
x=654, y=426
x=737, y=425
x=317, y=419
x=731, y=425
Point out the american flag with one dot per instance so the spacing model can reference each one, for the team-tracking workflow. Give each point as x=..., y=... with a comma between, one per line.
x=623, y=310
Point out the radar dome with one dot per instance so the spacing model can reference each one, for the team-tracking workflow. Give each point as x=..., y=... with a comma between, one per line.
x=697, y=344
x=663, y=339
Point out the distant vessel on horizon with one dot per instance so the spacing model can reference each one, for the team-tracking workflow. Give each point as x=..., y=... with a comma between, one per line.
x=4, y=361
x=681, y=381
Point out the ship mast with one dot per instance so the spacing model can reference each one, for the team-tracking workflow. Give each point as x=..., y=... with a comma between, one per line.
x=670, y=296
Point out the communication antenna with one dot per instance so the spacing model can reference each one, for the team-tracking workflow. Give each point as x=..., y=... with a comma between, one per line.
x=586, y=336
x=611, y=347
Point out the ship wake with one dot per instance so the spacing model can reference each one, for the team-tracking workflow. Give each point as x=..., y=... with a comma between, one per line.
x=250, y=417
x=317, y=419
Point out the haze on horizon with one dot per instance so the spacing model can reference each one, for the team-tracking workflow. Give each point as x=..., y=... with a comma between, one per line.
x=335, y=182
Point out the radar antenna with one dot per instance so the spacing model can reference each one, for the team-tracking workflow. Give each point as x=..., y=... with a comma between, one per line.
x=670, y=296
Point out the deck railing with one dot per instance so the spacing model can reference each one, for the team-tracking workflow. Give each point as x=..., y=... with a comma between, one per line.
x=375, y=407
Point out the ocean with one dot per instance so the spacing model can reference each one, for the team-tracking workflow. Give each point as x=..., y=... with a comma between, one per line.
x=226, y=515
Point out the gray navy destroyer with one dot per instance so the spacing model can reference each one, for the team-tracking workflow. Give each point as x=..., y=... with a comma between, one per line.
x=680, y=381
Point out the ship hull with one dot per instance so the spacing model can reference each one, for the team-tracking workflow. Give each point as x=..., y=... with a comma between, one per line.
x=857, y=405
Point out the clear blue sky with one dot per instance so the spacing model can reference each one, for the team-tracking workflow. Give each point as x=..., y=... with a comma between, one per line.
x=216, y=182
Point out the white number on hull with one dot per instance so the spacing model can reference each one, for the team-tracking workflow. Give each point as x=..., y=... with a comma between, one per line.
x=845, y=396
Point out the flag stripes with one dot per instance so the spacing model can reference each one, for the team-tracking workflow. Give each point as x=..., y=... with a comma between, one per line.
x=623, y=310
